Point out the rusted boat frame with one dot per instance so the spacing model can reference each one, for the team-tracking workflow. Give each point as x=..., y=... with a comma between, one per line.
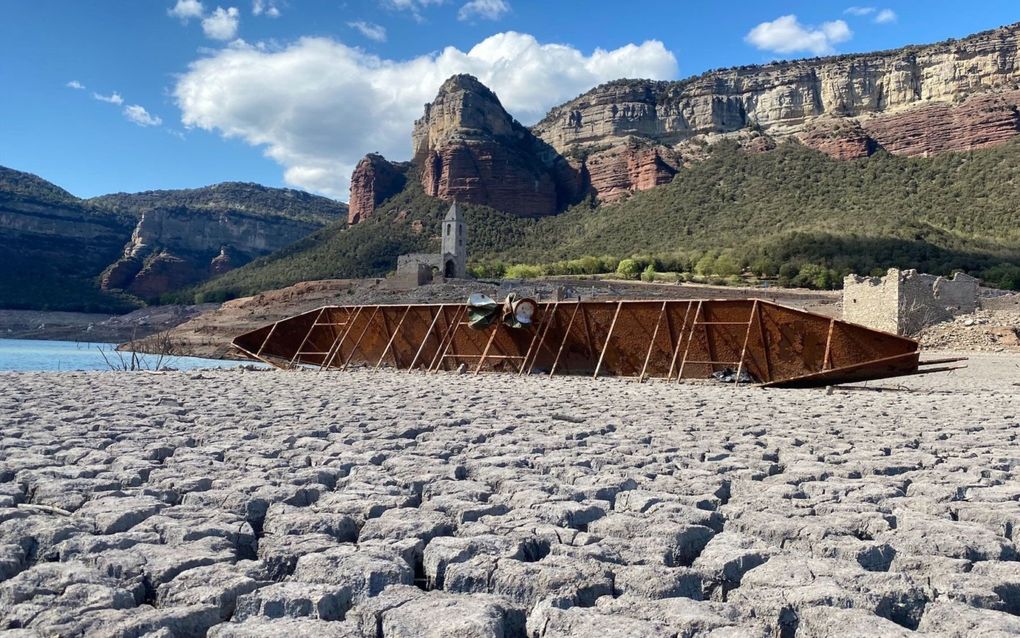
x=768, y=343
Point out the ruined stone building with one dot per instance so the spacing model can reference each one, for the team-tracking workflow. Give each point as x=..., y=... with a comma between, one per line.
x=906, y=301
x=449, y=263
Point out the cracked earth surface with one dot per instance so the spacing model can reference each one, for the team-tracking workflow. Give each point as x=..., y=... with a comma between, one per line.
x=371, y=505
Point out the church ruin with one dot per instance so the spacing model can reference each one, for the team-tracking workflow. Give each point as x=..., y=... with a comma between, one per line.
x=449, y=263
x=905, y=301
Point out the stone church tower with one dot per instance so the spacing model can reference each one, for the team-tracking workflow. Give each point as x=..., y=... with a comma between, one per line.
x=454, y=248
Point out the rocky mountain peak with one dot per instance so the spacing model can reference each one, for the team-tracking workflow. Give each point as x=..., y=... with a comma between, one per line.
x=465, y=82
x=464, y=108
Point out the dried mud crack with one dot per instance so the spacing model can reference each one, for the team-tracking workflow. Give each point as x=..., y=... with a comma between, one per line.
x=387, y=504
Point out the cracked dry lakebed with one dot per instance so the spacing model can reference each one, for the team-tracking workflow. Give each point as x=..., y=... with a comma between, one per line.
x=381, y=504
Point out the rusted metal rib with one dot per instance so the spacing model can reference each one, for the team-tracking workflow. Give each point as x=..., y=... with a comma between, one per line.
x=775, y=345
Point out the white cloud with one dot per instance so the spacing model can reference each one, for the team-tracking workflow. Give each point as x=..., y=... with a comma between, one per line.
x=787, y=35
x=860, y=11
x=187, y=9
x=76, y=85
x=113, y=98
x=267, y=7
x=317, y=106
x=414, y=7
x=140, y=116
x=486, y=9
x=222, y=23
x=369, y=30
x=885, y=16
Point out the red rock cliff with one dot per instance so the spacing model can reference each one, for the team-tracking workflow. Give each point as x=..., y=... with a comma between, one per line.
x=374, y=180
x=469, y=148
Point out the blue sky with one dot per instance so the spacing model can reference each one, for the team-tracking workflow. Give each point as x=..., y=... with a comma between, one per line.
x=182, y=93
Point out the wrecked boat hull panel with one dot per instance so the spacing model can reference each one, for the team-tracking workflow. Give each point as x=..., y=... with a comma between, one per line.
x=674, y=339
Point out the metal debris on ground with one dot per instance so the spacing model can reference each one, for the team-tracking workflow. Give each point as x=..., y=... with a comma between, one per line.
x=747, y=340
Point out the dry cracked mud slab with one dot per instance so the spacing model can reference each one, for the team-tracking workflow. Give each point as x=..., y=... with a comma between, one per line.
x=371, y=505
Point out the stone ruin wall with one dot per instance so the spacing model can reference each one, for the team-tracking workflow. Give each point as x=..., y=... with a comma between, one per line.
x=905, y=302
x=872, y=301
x=417, y=269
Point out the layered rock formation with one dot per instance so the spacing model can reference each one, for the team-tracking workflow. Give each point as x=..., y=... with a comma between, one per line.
x=470, y=149
x=181, y=240
x=954, y=95
x=374, y=180
x=839, y=139
x=623, y=169
x=62, y=252
x=632, y=135
x=978, y=122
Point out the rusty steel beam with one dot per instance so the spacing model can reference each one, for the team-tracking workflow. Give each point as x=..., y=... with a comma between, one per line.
x=776, y=345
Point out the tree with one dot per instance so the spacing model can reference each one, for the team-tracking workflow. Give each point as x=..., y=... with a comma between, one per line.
x=726, y=266
x=705, y=265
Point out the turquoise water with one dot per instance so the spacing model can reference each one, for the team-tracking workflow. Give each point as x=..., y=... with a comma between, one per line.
x=25, y=355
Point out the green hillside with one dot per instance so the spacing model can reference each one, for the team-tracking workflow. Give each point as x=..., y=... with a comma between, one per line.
x=796, y=206
x=782, y=210
x=53, y=246
x=366, y=249
x=229, y=198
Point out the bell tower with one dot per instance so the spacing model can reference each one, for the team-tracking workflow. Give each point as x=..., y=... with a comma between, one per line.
x=454, y=248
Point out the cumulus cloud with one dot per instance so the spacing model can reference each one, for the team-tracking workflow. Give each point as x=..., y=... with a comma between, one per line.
x=222, y=23
x=140, y=116
x=369, y=30
x=860, y=11
x=485, y=9
x=187, y=9
x=317, y=106
x=113, y=98
x=885, y=16
x=76, y=85
x=787, y=35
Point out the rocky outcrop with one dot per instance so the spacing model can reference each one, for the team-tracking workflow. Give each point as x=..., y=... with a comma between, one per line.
x=953, y=95
x=62, y=252
x=978, y=122
x=374, y=180
x=468, y=148
x=175, y=247
x=620, y=170
x=838, y=139
x=223, y=262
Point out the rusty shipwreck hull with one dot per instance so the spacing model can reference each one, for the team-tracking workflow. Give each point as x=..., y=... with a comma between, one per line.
x=757, y=341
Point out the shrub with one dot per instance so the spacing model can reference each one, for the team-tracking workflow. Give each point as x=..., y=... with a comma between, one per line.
x=523, y=271
x=628, y=269
x=487, y=269
x=1006, y=276
x=648, y=274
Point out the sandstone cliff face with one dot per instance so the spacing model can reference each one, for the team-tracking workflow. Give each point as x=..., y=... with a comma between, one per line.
x=911, y=101
x=623, y=169
x=469, y=148
x=839, y=139
x=978, y=122
x=632, y=135
x=172, y=248
x=374, y=180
